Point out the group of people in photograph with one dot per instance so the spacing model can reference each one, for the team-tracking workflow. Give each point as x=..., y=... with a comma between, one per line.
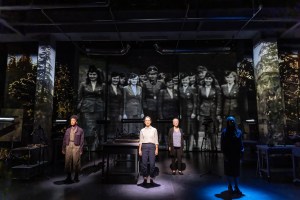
x=197, y=99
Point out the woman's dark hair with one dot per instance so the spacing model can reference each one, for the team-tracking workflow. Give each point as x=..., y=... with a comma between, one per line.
x=168, y=78
x=114, y=74
x=207, y=75
x=184, y=75
x=92, y=68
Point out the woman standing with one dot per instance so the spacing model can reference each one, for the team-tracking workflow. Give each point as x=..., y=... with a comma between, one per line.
x=114, y=106
x=230, y=94
x=209, y=99
x=148, y=149
x=133, y=103
x=176, y=144
x=167, y=107
x=232, y=148
x=188, y=105
x=91, y=104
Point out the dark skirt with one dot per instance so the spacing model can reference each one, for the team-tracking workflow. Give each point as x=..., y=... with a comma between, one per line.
x=232, y=167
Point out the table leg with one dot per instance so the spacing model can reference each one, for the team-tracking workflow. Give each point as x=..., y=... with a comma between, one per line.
x=268, y=164
x=107, y=166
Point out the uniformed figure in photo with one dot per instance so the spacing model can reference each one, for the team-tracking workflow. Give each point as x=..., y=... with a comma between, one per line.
x=201, y=72
x=151, y=90
x=193, y=82
x=188, y=103
x=161, y=77
x=133, y=103
x=230, y=96
x=168, y=107
x=176, y=81
x=142, y=78
x=91, y=98
x=209, y=110
x=115, y=107
x=123, y=80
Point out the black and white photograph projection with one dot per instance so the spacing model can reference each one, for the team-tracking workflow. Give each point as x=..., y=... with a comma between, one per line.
x=209, y=93
x=91, y=100
x=202, y=90
x=143, y=83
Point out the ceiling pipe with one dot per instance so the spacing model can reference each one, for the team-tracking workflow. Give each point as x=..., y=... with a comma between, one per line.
x=100, y=4
x=208, y=50
x=162, y=20
x=7, y=25
x=107, y=52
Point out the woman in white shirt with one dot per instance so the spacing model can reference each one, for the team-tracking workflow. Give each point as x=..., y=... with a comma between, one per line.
x=148, y=149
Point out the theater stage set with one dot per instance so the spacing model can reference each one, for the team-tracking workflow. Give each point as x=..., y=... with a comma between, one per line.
x=164, y=50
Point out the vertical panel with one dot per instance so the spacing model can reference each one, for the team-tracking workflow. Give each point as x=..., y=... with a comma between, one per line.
x=269, y=93
x=45, y=88
x=289, y=68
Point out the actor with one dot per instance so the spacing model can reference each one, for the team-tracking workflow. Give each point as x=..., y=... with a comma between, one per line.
x=148, y=149
x=232, y=148
x=72, y=148
x=176, y=144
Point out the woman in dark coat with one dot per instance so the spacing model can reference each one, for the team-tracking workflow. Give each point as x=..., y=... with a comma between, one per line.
x=232, y=148
x=176, y=144
x=91, y=98
x=230, y=96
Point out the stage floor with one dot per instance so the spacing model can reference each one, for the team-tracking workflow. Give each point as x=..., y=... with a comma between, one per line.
x=202, y=179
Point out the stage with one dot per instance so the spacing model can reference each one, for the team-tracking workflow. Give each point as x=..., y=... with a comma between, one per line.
x=196, y=183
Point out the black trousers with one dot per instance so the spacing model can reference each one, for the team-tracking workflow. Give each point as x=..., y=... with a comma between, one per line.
x=177, y=155
x=148, y=153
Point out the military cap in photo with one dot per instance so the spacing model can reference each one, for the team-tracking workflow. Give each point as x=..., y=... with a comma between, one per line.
x=152, y=68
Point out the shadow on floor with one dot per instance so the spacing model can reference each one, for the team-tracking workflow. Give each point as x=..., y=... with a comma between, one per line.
x=228, y=195
x=148, y=185
x=91, y=169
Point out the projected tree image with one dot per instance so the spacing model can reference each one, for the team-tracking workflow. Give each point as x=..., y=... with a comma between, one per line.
x=63, y=93
x=22, y=88
x=290, y=83
x=270, y=102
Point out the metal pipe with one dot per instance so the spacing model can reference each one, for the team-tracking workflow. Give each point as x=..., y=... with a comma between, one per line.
x=53, y=7
x=161, y=20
